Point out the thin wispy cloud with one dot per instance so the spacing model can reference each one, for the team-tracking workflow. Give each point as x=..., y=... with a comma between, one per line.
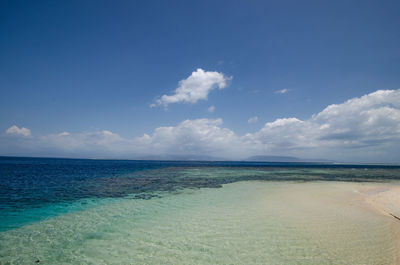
x=194, y=88
x=282, y=91
x=211, y=109
x=253, y=119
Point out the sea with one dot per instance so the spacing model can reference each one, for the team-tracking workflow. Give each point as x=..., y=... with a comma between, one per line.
x=88, y=211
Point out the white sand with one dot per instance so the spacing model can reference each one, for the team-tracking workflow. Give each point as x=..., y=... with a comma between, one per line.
x=385, y=200
x=242, y=223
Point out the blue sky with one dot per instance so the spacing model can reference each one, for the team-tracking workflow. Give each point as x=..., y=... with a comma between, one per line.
x=85, y=67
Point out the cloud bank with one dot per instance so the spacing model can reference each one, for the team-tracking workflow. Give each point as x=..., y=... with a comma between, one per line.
x=364, y=129
x=194, y=88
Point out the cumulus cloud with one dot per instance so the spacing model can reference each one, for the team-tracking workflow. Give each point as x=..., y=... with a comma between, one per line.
x=361, y=121
x=201, y=136
x=363, y=129
x=15, y=130
x=357, y=128
x=211, y=109
x=282, y=91
x=253, y=119
x=194, y=88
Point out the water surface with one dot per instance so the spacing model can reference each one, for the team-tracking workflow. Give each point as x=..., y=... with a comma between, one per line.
x=65, y=211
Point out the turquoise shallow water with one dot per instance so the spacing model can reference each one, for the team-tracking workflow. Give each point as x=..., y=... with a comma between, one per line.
x=242, y=223
x=33, y=189
x=60, y=211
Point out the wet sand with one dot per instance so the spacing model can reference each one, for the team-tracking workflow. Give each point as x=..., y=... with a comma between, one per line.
x=385, y=200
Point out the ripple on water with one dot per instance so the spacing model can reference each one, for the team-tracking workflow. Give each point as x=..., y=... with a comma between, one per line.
x=243, y=223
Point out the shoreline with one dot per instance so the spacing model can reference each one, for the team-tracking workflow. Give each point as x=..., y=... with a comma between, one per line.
x=243, y=222
x=385, y=201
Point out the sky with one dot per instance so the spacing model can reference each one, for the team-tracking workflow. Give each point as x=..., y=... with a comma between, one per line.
x=229, y=79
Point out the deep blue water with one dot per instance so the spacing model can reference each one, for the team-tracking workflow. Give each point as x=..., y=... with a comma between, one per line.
x=35, y=188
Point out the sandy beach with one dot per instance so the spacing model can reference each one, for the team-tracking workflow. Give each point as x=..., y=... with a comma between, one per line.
x=385, y=200
x=251, y=222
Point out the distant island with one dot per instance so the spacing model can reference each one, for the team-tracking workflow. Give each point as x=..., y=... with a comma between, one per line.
x=182, y=158
x=264, y=158
x=256, y=158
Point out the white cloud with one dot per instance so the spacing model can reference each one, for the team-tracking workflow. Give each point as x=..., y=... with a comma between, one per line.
x=362, y=121
x=282, y=122
x=64, y=134
x=361, y=129
x=211, y=109
x=104, y=141
x=15, y=130
x=282, y=91
x=201, y=136
x=253, y=119
x=194, y=88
